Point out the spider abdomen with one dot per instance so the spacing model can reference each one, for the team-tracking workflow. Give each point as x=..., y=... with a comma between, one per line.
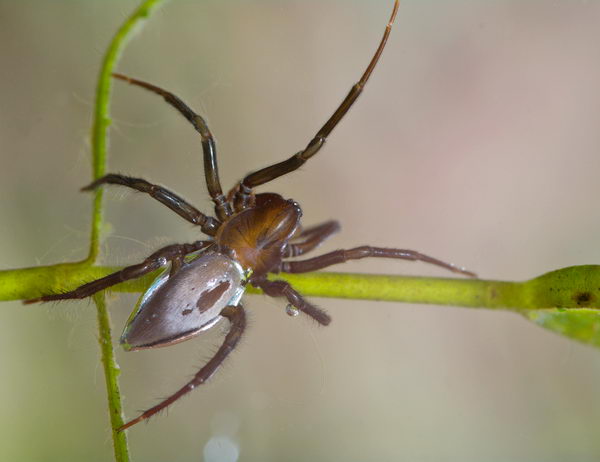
x=189, y=304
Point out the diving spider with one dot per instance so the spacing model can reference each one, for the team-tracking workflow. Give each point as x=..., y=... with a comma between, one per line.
x=249, y=238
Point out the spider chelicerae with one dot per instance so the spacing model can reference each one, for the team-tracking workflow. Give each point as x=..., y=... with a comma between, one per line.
x=250, y=236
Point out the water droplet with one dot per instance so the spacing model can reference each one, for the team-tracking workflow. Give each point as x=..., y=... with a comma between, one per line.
x=291, y=310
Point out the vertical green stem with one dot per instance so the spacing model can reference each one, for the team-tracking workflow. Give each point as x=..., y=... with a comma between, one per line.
x=111, y=374
x=101, y=113
x=99, y=145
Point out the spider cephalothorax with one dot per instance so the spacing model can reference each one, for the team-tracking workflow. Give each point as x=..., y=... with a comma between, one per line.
x=258, y=236
x=251, y=236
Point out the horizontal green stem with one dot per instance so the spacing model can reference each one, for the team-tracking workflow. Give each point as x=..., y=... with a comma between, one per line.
x=573, y=287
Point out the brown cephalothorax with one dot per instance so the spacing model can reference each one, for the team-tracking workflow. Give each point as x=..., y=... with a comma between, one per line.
x=250, y=236
x=258, y=235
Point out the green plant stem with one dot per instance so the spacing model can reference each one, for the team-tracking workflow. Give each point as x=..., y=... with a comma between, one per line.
x=573, y=287
x=101, y=113
x=99, y=145
x=111, y=374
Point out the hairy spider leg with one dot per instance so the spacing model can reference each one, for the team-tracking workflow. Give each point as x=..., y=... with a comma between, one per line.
x=365, y=251
x=237, y=319
x=174, y=253
x=313, y=237
x=211, y=171
x=281, y=288
x=207, y=224
x=264, y=175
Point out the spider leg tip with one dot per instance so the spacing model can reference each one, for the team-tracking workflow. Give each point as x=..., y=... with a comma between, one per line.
x=125, y=426
x=92, y=186
x=468, y=273
x=123, y=77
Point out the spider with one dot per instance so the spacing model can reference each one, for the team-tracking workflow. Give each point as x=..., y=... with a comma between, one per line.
x=250, y=237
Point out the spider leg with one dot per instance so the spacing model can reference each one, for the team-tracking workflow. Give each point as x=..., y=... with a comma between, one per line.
x=276, y=170
x=237, y=318
x=313, y=237
x=174, y=253
x=211, y=171
x=341, y=256
x=207, y=224
x=284, y=289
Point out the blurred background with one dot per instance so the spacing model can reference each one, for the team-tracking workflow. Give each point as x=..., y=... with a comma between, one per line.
x=476, y=141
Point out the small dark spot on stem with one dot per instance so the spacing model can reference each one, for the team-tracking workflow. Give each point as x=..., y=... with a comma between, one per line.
x=583, y=298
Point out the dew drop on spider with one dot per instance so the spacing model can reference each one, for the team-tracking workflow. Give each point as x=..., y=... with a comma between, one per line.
x=291, y=310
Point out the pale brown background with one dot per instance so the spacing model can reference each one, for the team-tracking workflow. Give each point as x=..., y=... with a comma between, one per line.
x=477, y=140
